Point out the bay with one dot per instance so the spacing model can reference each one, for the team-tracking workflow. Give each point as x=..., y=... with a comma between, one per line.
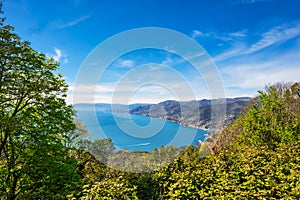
x=136, y=132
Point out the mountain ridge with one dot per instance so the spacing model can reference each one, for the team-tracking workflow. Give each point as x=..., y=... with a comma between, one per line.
x=195, y=113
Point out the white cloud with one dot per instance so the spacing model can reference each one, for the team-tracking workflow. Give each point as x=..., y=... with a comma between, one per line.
x=90, y=93
x=87, y=88
x=218, y=36
x=238, y=34
x=253, y=72
x=243, y=75
x=234, y=51
x=170, y=49
x=275, y=35
x=58, y=55
x=197, y=33
x=147, y=83
x=169, y=61
x=124, y=93
x=244, y=78
x=75, y=22
x=125, y=63
x=247, y=68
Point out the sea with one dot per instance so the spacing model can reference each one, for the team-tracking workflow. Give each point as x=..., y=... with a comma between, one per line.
x=137, y=132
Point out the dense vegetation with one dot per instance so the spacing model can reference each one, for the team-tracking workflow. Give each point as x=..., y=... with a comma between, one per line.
x=257, y=157
x=35, y=124
x=43, y=153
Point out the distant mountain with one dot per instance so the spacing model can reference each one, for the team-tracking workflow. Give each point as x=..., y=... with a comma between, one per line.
x=105, y=107
x=197, y=114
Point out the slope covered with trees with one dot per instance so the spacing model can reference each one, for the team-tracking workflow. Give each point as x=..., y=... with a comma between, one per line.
x=257, y=157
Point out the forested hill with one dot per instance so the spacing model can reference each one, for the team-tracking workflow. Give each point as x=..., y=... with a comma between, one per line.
x=195, y=114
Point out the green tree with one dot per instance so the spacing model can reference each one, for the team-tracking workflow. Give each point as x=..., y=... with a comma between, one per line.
x=101, y=149
x=117, y=188
x=272, y=121
x=35, y=123
x=79, y=135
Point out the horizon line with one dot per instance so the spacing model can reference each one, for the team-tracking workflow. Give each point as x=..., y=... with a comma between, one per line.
x=162, y=101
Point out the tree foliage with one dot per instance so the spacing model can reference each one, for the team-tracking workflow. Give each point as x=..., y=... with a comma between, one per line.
x=35, y=123
x=257, y=157
x=273, y=120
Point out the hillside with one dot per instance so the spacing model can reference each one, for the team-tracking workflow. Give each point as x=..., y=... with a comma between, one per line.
x=195, y=114
x=256, y=157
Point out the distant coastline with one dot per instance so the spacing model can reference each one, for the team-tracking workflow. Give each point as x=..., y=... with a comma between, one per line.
x=193, y=114
x=141, y=137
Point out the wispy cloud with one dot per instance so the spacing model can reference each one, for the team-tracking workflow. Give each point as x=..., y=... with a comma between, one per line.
x=171, y=61
x=241, y=34
x=75, y=22
x=219, y=36
x=257, y=75
x=246, y=75
x=125, y=63
x=248, y=65
x=147, y=83
x=234, y=51
x=237, y=2
x=58, y=55
x=197, y=33
x=275, y=35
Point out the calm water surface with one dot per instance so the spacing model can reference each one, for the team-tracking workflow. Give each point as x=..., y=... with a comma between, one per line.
x=136, y=132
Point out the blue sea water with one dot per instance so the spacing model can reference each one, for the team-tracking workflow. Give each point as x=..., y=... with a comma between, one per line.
x=136, y=132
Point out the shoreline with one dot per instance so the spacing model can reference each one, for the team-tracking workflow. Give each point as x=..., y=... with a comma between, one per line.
x=177, y=122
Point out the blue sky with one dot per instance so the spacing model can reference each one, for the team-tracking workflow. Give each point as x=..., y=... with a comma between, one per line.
x=252, y=42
